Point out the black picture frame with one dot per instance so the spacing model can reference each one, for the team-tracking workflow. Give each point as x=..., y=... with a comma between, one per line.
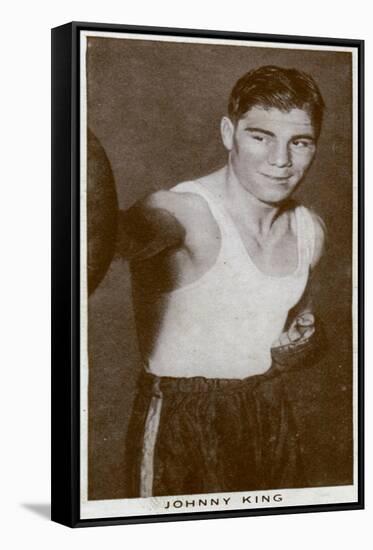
x=66, y=314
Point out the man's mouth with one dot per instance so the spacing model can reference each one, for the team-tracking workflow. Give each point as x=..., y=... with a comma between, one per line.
x=277, y=179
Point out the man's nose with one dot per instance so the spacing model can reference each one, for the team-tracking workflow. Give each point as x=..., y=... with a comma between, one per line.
x=279, y=155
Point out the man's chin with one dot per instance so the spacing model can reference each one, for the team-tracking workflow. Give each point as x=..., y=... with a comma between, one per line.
x=277, y=200
x=279, y=196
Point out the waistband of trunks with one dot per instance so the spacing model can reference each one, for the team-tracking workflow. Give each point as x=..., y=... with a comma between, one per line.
x=150, y=383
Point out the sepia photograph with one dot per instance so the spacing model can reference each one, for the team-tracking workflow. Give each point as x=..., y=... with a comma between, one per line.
x=218, y=274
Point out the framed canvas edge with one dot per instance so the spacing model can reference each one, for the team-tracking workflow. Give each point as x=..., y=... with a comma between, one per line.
x=65, y=379
x=65, y=136
x=78, y=26
x=231, y=514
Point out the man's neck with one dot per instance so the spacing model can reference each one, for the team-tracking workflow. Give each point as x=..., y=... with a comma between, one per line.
x=257, y=215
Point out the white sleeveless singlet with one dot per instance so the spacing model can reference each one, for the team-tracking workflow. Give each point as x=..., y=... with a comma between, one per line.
x=224, y=324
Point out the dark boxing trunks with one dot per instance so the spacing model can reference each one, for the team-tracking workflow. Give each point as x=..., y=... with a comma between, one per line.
x=202, y=435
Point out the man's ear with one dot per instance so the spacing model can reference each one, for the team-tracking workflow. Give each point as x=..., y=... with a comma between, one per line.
x=227, y=132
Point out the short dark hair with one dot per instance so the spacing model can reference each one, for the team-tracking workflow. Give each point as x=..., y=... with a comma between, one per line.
x=277, y=87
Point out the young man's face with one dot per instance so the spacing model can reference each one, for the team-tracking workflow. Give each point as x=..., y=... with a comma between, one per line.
x=270, y=151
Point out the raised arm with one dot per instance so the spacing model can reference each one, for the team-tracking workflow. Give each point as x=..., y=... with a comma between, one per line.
x=150, y=226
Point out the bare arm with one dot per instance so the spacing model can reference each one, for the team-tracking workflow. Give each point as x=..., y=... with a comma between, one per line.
x=149, y=227
x=301, y=322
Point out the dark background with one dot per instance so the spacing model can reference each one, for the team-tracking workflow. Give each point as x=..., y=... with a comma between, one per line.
x=156, y=109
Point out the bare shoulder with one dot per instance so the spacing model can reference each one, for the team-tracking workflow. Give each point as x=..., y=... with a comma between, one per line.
x=163, y=220
x=180, y=204
x=185, y=207
x=320, y=237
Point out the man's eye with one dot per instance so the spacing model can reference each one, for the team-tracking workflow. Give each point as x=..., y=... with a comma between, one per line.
x=258, y=138
x=299, y=144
